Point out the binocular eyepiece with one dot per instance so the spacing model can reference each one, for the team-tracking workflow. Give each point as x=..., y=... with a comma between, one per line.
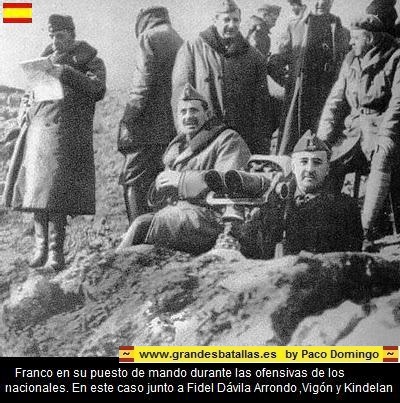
x=241, y=184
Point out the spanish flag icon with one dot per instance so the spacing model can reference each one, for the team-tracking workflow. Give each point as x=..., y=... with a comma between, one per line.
x=390, y=354
x=126, y=354
x=17, y=13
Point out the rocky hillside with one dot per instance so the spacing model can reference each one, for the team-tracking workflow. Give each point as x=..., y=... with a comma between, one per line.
x=150, y=296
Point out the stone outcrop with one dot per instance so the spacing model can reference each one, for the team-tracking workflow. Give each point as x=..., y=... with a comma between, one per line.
x=150, y=296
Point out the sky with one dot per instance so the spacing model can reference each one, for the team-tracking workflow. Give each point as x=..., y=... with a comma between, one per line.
x=108, y=25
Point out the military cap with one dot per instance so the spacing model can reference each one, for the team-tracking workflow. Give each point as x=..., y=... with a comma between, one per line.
x=310, y=142
x=59, y=22
x=272, y=8
x=377, y=6
x=255, y=20
x=190, y=94
x=385, y=10
x=225, y=6
x=368, y=22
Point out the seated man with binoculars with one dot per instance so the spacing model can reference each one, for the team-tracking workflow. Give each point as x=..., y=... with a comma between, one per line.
x=311, y=218
x=182, y=219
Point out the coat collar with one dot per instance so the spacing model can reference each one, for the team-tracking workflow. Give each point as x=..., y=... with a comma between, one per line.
x=180, y=150
x=238, y=47
x=333, y=19
x=380, y=53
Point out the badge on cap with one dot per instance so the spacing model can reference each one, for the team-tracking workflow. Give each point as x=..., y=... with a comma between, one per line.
x=190, y=94
x=310, y=142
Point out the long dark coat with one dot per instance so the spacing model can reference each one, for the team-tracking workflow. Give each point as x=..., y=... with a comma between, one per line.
x=234, y=82
x=309, y=81
x=53, y=164
x=148, y=112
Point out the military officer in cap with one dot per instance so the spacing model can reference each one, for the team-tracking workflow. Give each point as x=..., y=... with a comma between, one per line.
x=317, y=220
x=366, y=101
x=230, y=74
x=312, y=218
x=183, y=220
x=52, y=173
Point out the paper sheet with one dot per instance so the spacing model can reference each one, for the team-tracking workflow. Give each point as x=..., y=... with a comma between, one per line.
x=45, y=86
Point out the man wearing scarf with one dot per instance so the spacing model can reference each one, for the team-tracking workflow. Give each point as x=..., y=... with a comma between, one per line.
x=230, y=74
x=366, y=100
x=182, y=220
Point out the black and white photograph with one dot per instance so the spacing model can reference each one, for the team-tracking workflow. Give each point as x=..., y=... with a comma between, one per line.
x=198, y=173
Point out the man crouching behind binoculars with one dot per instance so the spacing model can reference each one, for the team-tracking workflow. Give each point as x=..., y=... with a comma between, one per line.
x=286, y=215
x=261, y=208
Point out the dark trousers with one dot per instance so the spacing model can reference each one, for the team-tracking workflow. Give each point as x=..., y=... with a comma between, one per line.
x=140, y=170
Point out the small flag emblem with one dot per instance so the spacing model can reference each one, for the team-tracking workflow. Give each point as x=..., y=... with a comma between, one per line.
x=390, y=354
x=126, y=354
x=17, y=13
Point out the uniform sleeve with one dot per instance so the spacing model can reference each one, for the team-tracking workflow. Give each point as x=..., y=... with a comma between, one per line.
x=390, y=126
x=142, y=80
x=232, y=153
x=92, y=83
x=335, y=108
x=182, y=73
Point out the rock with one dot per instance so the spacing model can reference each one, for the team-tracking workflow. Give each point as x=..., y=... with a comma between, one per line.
x=381, y=327
x=147, y=295
x=33, y=302
x=330, y=327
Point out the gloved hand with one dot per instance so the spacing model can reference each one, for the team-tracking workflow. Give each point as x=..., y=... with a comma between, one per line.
x=168, y=179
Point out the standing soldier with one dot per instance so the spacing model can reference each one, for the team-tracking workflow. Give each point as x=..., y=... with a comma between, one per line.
x=231, y=75
x=53, y=172
x=261, y=25
x=147, y=125
x=366, y=100
x=313, y=49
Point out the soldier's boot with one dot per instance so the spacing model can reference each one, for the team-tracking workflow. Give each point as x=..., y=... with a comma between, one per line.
x=40, y=254
x=136, y=233
x=135, y=201
x=375, y=196
x=56, y=259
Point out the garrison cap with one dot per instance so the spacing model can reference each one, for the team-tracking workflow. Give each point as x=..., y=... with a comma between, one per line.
x=190, y=94
x=310, y=142
x=225, y=6
x=272, y=8
x=368, y=22
x=59, y=22
x=255, y=20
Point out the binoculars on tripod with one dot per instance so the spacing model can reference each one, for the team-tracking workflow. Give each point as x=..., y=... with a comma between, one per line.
x=242, y=184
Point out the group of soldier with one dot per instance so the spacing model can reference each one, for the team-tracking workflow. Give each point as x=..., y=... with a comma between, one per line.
x=204, y=106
